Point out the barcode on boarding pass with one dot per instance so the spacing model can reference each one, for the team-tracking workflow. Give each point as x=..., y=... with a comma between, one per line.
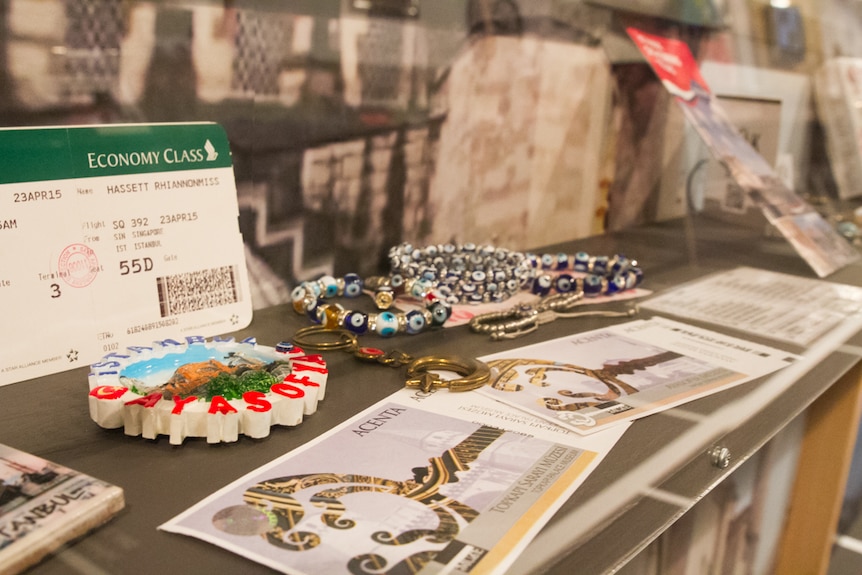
x=193, y=291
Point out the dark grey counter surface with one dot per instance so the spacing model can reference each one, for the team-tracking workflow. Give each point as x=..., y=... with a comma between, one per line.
x=49, y=417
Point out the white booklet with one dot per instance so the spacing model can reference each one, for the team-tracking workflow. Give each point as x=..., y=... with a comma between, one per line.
x=774, y=305
x=590, y=381
x=438, y=482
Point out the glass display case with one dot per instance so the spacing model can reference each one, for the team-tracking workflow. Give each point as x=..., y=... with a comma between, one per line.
x=358, y=125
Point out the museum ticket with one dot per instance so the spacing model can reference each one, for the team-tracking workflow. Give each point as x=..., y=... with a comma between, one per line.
x=113, y=236
x=590, y=381
x=398, y=489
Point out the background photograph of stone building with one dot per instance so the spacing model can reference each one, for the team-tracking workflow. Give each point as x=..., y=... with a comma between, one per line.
x=353, y=126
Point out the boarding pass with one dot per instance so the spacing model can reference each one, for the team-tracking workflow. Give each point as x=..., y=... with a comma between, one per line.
x=113, y=236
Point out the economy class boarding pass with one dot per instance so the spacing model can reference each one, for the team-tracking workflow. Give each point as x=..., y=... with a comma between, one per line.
x=113, y=236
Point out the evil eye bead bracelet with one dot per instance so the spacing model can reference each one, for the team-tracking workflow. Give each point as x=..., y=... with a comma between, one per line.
x=470, y=273
x=604, y=276
x=463, y=273
x=311, y=298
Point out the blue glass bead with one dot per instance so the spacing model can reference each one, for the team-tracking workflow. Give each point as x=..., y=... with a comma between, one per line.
x=542, y=285
x=616, y=284
x=329, y=286
x=499, y=276
x=420, y=287
x=352, y=285
x=451, y=278
x=386, y=324
x=284, y=347
x=298, y=293
x=311, y=305
x=592, y=285
x=512, y=285
x=440, y=312
x=458, y=264
x=443, y=291
x=562, y=261
x=564, y=283
x=619, y=264
x=469, y=247
x=548, y=261
x=478, y=276
x=582, y=261
x=356, y=322
x=600, y=265
x=431, y=250
x=475, y=298
x=468, y=288
x=532, y=260
x=449, y=248
x=415, y=321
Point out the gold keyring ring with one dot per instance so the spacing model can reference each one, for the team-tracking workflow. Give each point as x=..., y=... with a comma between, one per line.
x=306, y=336
x=474, y=373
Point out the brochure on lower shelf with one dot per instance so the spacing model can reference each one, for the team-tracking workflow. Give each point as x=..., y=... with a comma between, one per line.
x=590, y=381
x=44, y=505
x=769, y=304
x=421, y=482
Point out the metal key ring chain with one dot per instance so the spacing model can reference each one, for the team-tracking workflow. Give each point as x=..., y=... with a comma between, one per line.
x=304, y=338
x=474, y=373
x=526, y=318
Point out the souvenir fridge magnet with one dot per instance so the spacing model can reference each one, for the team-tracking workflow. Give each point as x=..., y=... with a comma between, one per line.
x=217, y=389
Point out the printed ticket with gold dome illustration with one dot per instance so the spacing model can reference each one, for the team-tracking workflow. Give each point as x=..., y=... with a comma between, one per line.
x=465, y=484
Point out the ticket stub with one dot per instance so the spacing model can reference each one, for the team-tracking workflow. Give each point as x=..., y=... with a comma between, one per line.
x=113, y=236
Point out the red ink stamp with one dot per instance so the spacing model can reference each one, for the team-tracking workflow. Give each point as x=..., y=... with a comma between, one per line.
x=78, y=265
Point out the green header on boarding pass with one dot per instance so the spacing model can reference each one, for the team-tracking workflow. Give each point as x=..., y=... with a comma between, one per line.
x=44, y=154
